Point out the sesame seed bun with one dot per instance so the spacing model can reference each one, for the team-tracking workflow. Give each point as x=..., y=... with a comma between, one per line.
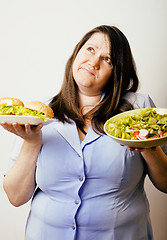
x=41, y=107
x=11, y=101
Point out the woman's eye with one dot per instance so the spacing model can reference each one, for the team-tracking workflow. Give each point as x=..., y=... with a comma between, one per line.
x=90, y=49
x=108, y=60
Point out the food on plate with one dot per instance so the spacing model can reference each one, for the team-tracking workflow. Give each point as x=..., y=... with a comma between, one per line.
x=11, y=101
x=13, y=106
x=40, y=108
x=146, y=124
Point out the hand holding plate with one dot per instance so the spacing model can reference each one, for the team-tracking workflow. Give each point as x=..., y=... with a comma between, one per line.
x=31, y=134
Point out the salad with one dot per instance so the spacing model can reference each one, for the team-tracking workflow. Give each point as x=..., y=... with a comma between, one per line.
x=146, y=124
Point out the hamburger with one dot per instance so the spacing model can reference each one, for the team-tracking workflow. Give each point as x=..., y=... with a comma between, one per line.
x=13, y=106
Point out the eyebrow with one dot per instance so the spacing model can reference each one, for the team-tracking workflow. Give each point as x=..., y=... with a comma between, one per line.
x=92, y=44
x=109, y=54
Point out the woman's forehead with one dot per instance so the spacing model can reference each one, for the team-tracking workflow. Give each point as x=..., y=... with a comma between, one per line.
x=99, y=40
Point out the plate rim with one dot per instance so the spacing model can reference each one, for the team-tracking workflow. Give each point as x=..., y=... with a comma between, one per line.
x=17, y=118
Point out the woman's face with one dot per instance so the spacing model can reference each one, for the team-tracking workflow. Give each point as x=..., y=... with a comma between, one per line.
x=92, y=66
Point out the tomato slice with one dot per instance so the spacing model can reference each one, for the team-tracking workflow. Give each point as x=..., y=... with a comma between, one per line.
x=142, y=134
x=136, y=134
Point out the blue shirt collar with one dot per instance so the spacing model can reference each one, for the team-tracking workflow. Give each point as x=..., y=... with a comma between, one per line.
x=70, y=133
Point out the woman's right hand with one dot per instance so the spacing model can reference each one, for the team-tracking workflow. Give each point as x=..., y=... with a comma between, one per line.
x=31, y=134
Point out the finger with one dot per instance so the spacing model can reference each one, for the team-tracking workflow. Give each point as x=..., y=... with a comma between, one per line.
x=19, y=130
x=28, y=129
x=3, y=124
x=12, y=128
x=136, y=149
x=139, y=149
x=36, y=128
x=131, y=149
x=39, y=126
x=7, y=126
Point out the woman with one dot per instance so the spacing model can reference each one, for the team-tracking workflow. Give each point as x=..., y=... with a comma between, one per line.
x=84, y=185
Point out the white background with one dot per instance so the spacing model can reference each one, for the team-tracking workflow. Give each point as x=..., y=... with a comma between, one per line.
x=36, y=39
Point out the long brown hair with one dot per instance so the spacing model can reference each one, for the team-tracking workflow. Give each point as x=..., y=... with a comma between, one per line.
x=123, y=79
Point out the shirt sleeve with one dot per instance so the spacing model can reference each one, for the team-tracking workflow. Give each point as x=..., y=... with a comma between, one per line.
x=139, y=100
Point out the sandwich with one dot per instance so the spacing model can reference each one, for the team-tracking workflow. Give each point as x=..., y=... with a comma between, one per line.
x=13, y=106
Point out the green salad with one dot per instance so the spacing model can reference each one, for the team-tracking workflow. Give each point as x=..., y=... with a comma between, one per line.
x=146, y=124
x=21, y=111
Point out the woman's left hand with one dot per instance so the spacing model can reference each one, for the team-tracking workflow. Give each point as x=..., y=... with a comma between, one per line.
x=141, y=149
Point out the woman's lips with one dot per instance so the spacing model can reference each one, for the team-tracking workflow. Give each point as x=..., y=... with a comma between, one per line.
x=88, y=70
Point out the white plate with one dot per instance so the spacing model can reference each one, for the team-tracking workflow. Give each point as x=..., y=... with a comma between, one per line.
x=138, y=143
x=23, y=119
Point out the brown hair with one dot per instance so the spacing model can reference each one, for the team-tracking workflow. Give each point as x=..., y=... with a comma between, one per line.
x=123, y=79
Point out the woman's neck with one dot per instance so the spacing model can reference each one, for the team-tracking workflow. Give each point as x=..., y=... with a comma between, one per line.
x=87, y=102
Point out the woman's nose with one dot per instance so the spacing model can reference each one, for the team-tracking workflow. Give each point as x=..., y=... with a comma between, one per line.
x=95, y=62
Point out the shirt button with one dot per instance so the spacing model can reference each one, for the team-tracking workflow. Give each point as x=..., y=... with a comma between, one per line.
x=81, y=178
x=73, y=226
x=77, y=201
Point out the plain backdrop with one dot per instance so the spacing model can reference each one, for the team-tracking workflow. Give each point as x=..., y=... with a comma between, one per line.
x=36, y=39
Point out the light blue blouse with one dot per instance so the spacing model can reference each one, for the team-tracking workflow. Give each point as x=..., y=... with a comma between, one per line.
x=90, y=190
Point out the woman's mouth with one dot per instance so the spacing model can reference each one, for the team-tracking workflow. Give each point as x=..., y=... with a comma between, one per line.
x=88, y=70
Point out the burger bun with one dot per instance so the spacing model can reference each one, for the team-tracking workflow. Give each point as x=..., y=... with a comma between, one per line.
x=41, y=107
x=11, y=101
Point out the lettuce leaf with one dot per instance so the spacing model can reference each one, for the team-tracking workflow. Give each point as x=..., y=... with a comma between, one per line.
x=19, y=110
